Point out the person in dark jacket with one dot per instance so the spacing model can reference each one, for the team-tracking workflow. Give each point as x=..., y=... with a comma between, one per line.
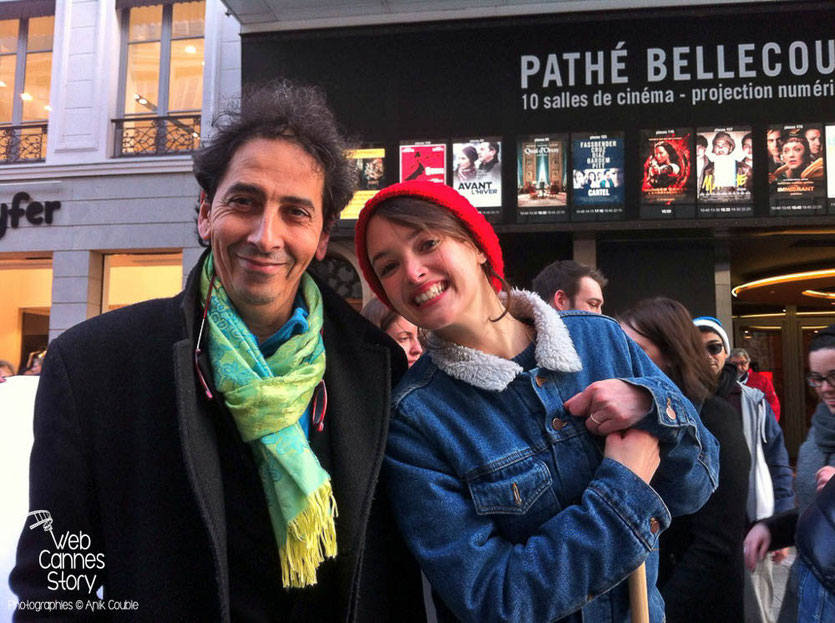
x=215, y=456
x=812, y=578
x=701, y=569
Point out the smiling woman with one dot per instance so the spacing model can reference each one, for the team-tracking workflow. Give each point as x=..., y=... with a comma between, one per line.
x=498, y=486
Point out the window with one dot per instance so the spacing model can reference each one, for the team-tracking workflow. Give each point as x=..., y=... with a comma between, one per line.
x=162, y=79
x=25, y=73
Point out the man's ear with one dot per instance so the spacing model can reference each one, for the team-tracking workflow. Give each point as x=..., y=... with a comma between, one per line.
x=561, y=301
x=203, y=223
x=322, y=247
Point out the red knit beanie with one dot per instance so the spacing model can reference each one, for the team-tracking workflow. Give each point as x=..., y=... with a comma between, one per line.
x=442, y=196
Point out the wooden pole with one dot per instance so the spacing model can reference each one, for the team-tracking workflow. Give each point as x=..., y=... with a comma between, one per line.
x=638, y=598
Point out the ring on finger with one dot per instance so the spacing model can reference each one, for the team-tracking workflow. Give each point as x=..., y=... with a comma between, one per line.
x=595, y=420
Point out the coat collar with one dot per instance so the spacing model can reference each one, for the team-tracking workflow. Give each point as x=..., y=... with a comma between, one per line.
x=554, y=348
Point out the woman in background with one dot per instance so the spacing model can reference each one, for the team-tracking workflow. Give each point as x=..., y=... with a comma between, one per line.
x=701, y=572
x=398, y=328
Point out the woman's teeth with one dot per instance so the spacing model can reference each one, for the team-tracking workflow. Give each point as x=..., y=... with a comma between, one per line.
x=431, y=293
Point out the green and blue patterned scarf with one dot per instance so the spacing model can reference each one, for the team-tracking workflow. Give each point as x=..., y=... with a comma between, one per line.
x=266, y=398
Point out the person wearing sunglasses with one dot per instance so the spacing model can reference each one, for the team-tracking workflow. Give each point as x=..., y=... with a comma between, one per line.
x=806, y=597
x=770, y=478
x=221, y=450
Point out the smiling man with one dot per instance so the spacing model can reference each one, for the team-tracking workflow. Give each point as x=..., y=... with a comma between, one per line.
x=566, y=284
x=221, y=449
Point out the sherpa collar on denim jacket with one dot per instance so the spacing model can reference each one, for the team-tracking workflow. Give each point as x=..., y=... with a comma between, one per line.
x=554, y=348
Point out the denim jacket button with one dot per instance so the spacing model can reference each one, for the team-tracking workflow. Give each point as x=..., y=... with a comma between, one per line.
x=671, y=413
x=540, y=380
x=557, y=423
x=654, y=526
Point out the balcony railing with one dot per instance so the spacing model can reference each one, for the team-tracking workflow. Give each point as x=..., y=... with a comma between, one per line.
x=23, y=143
x=156, y=136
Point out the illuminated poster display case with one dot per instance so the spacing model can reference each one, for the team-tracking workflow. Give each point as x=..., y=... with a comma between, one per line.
x=598, y=180
x=541, y=184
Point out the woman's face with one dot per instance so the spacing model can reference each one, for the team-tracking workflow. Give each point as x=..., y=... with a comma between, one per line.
x=822, y=362
x=794, y=153
x=661, y=154
x=433, y=281
x=406, y=334
x=578, y=178
x=648, y=346
x=464, y=162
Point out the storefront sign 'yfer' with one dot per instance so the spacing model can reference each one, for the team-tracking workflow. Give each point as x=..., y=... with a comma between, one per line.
x=35, y=212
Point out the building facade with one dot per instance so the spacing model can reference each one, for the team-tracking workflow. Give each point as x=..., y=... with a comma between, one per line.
x=101, y=104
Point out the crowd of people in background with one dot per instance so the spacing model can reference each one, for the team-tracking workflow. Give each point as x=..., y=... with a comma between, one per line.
x=31, y=368
x=534, y=458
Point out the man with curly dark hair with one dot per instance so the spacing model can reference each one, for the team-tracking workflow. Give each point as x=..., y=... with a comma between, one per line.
x=221, y=449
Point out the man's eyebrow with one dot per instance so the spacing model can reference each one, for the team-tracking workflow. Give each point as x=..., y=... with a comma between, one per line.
x=243, y=187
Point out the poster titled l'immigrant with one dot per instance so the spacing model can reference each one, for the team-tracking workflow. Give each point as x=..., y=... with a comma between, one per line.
x=666, y=169
x=724, y=170
x=542, y=163
x=477, y=173
x=371, y=171
x=796, y=169
x=830, y=156
x=425, y=161
x=597, y=189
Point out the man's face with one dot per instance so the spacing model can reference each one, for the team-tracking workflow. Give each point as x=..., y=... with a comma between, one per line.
x=589, y=297
x=746, y=147
x=265, y=225
x=715, y=351
x=813, y=137
x=700, y=151
x=741, y=364
x=485, y=154
x=772, y=141
x=721, y=147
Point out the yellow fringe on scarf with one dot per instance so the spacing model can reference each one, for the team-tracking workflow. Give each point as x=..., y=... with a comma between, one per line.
x=311, y=537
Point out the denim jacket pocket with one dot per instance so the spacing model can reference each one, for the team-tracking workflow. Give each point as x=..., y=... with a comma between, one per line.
x=518, y=496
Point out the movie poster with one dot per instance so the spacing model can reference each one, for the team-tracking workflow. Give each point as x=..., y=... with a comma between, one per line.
x=666, y=180
x=597, y=189
x=477, y=173
x=425, y=161
x=830, y=156
x=541, y=166
x=370, y=163
x=796, y=171
x=724, y=172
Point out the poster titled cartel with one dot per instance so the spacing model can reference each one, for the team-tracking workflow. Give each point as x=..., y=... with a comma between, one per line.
x=666, y=169
x=597, y=189
x=724, y=170
x=541, y=172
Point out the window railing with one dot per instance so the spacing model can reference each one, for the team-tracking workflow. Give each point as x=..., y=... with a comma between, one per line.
x=23, y=143
x=156, y=136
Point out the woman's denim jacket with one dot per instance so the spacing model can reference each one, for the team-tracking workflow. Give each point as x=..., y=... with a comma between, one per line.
x=505, y=498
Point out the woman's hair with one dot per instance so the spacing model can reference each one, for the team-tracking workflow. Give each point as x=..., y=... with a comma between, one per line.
x=668, y=325
x=420, y=214
x=824, y=339
x=378, y=314
x=471, y=153
x=671, y=151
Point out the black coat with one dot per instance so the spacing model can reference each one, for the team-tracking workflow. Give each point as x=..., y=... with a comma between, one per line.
x=701, y=567
x=130, y=451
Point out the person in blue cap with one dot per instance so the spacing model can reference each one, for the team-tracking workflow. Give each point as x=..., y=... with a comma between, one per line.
x=770, y=479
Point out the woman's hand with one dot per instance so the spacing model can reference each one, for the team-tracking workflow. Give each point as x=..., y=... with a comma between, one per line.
x=823, y=475
x=637, y=450
x=610, y=405
x=756, y=545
